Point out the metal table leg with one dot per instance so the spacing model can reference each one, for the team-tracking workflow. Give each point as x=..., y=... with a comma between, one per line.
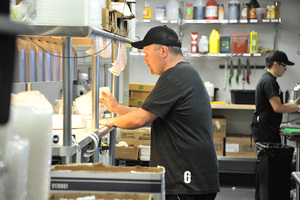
x=67, y=96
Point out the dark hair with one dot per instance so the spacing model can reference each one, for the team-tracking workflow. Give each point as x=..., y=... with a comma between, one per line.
x=269, y=64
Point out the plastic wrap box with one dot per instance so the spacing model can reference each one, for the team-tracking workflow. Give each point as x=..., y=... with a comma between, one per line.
x=242, y=96
x=145, y=87
x=99, y=178
x=136, y=137
x=219, y=127
x=240, y=147
x=101, y=196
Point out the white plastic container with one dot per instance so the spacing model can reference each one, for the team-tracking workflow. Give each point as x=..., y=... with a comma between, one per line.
x=203, y=44
x=210, y=90
x=172, y=10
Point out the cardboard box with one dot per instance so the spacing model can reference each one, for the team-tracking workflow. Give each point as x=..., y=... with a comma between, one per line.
x=136, y=102
x=219, y=146
x=136, y=137
x=240, y=147
x=133, y=95
x=101, y=196
x=106, y=25
x=219, y=127
x=100, y=178
x=146, y=87
x=128, y=153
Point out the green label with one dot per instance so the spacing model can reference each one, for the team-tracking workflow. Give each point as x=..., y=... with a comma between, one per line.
x=141, y=87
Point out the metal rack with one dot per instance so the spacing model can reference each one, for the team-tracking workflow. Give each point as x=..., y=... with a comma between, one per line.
x=67, y=34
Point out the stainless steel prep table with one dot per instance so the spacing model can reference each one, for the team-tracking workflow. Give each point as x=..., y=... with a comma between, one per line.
x=67, y=33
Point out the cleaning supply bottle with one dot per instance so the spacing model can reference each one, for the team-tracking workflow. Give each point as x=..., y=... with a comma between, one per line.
x=211, y=11
x=172, y=10
x=214, y=42
x=253, y=4
x=253, y=42
x=147, y=11
x=199, y=10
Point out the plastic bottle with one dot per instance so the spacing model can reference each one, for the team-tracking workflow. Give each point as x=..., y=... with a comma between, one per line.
x=194, y=42
x=189, y=11
x=203, y=44
x=221, y=14
x=147, y=10
x=245, y=11
x=172, y=10
x=253, y=4
x=253, y=42
x=199, y=10
x=214, y=42
x=234, y=10
x=211, y=11
x=224, y=44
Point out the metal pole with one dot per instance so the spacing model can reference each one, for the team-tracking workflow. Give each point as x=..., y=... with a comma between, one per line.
x=67, y=96
x=95, y=101
x=115, y=92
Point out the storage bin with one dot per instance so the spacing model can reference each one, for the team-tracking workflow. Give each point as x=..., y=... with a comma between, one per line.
x=239, y=43
x=243, y=96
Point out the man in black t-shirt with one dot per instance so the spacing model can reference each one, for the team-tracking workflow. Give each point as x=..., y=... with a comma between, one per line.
x=269, y=105
x=269, y=100
x=179, y=111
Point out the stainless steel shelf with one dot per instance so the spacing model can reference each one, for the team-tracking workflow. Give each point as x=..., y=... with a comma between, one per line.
x=75, y=31
x=204, y=21
x=237, y=164
x=216, y=55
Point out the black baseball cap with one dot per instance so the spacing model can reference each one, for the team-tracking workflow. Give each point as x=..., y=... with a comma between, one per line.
x=279, y=56
x=159, y=35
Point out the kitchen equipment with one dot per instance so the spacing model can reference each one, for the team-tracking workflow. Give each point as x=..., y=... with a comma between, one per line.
x=291, y=95
x=248, y=70
x=239, y=70
x=230, y=72
x=243, y=96
x=210, y=90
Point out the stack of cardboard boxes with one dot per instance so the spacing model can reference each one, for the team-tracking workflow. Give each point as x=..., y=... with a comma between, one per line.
x=138, y=92
x=233, y=146
x=134, y=138
x=114, y=21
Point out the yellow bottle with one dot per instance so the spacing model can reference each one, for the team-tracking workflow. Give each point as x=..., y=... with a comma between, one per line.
x=214, y=42
x=253, y=42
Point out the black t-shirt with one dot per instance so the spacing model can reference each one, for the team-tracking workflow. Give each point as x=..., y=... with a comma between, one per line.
x=181, y=136
x=267, y=88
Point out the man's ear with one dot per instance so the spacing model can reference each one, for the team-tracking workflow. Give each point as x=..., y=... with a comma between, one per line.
x=165, y=51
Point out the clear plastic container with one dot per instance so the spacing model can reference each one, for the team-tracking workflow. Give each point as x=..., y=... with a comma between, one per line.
x=239, y=43
x=172, y=10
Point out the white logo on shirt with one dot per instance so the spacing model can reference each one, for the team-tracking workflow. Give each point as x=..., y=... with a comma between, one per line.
x=187, y=176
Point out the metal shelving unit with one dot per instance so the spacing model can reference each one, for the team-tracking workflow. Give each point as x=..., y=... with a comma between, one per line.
x=67, y=34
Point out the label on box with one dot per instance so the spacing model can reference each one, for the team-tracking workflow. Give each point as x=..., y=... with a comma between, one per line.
x=232, y=148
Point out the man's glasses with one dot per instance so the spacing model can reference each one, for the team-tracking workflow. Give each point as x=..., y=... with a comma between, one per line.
x=282, y=64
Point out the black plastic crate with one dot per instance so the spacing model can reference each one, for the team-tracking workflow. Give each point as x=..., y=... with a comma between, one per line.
x=243, y=96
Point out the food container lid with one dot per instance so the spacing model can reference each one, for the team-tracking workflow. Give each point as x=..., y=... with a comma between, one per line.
x=239, y=35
